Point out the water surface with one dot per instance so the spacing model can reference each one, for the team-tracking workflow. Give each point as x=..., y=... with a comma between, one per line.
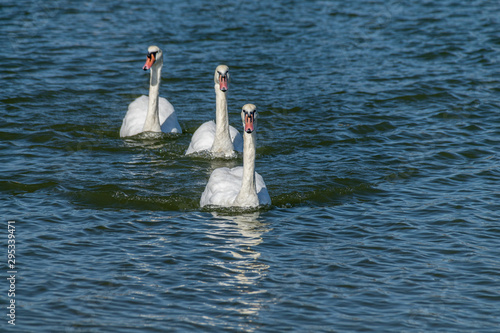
x=378, y=140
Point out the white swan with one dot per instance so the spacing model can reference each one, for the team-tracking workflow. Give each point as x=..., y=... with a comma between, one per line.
x=239, y=186
x=219, y=138
x=153, y=113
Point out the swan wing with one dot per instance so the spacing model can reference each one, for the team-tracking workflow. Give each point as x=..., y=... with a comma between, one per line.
x=222, y=187
x=262, y=193
x=225, y=184
x=168, y=117
x=134, y=119
x=236, y=138
x=203, y=138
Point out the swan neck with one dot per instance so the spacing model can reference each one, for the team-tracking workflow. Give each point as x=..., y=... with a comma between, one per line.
x=222, y=141
x=248, y=193
x=152, y=123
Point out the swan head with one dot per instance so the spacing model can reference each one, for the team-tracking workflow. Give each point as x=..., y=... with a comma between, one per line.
x=155, y=57
x=221, y=77
x=249, y=117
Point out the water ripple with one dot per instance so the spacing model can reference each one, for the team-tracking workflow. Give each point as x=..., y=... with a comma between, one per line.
x=377, y=139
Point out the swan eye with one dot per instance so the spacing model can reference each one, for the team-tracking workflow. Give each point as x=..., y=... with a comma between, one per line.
x=250, y=114
x=152, y=53
x=226, y=75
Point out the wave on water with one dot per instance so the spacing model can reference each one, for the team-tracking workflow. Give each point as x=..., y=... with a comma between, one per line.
x=235, y=211
x=324, y=196
x=151, y=136
x=111, y=196
x=14, y=187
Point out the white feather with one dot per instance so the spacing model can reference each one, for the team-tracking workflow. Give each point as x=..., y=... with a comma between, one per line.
x=203, y=138
x=225, y=184
x=134, y=120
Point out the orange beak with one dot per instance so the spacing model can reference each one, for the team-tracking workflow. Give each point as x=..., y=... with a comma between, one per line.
x=223, y=84
x=249, y=123
x=149, y=62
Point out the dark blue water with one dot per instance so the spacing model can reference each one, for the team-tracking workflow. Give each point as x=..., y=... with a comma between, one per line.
x=378, y=140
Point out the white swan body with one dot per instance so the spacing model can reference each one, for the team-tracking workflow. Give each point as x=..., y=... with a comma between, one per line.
x=239, y=186
x=218, y=138
x=153, y=113
x=225, y=184
x=203, y=139
x=134, y=120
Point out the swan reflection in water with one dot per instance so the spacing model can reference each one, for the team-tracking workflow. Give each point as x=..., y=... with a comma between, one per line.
x=238, y=258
